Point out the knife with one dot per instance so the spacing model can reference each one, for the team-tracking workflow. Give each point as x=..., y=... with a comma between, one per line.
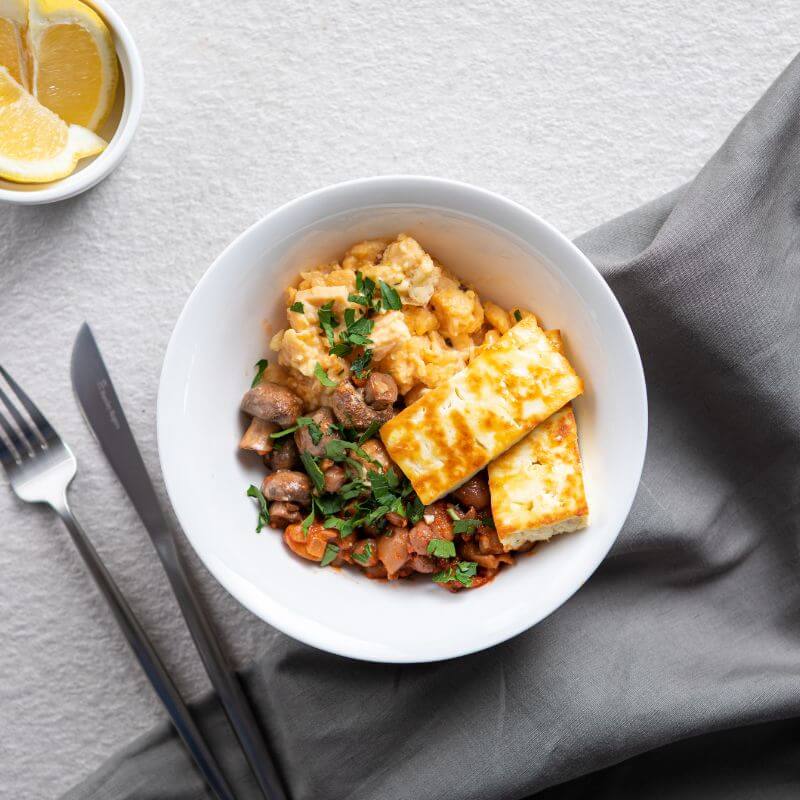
x=103, y=411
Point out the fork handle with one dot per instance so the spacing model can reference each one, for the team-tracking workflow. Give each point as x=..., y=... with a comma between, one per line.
x=148, y=657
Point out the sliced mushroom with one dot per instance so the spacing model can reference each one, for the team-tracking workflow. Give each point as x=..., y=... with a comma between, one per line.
x=323, y=418
x=284, y=454
x=257, y=436
x=365, y=553
x=288, y=486
x=351, y=408
x=282, y=514
x=380, y=391
x=274, y=403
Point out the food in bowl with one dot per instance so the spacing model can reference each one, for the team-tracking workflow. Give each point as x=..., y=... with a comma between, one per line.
x=58, y=83
x=410, y=427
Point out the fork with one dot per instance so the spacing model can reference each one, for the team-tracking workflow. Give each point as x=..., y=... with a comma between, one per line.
x=40, y=467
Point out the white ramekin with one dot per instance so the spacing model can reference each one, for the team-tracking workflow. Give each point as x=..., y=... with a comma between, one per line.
x=87, y=176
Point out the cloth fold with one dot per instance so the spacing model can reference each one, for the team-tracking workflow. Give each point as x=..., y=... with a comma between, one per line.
x=682, y=653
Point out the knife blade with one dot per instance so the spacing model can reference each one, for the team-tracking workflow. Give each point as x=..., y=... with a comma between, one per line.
x=103, y=412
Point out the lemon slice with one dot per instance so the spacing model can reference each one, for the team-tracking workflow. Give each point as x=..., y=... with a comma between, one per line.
x=13, y=20
x=74, y=62
x=35, y=145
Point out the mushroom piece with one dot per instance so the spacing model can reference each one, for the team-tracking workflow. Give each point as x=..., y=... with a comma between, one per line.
x=474, y=492
x=352, y=410
x=420, y=537
x=393, y=551
x=334, y=479
x=284, y=454
x=380, y=391
x=422, y=564
x=273, y=403
x=282, y=514
x=257, y=436
x=288, y=486
x=323, y=418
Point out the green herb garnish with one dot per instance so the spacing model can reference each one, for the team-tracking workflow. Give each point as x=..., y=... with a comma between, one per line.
x=260, y=366
x=284, y=432
x=313, y=428
x=518, y=315
x=452, y=513
x=263, y=514
x=365, y=555
x=297, y=308
x=313, y=470
x=416, y=510
x=371, y=430
x=463, y=572
x=308, y=521
x=465, y=525
x=389, y=296
x=322, y=376
x=441, y=548
x=327, y=321
x=331, y=551
x=361, y=364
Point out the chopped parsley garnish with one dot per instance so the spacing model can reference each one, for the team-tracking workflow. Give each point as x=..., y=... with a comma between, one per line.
x=284, y=432
x=441, y=548
x=453, y=514
x=337, y=450
x=322, y=376
x=389, y=296
x=344, y=526
x=341, y=349
x=314, y=430
x=313, y=470
x=416, y=510
x=307, y=522
x=462, y=571
x=380, y=488
x=297, y=308
x=487, y=522
x=327, y=321
x=361, y=364
x=365, y=555
x=260, y=366
x=365, y=288
x=465, y=525
x=371, y=430
x=331, y=551
x=328, y=504
x=518, y=315
x=263, y=513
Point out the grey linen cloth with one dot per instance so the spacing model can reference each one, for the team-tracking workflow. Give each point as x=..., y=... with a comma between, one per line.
x=679, y=660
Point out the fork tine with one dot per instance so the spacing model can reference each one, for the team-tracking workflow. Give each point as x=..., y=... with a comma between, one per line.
x=45, y=429
x=6, y=456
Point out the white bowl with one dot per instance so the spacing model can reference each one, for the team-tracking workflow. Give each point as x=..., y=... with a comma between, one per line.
x=511, y=256
x=118, y=130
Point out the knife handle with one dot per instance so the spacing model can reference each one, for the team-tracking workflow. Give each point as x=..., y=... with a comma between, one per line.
x=147, y=656
x=223, y=678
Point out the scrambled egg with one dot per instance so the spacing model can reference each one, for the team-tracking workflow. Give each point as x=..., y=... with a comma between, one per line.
x=439, y=329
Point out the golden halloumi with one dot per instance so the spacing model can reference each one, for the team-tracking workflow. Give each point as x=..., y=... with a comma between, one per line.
x=456, y=429
x=537, y=486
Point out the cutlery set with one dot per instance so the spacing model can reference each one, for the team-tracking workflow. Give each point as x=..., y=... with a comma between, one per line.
x=40, y=468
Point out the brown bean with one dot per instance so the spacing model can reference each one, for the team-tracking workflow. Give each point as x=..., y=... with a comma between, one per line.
x=393, y=551
x=420, y=536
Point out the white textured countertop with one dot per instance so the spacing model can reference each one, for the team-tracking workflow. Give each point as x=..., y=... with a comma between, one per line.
x=578, y=109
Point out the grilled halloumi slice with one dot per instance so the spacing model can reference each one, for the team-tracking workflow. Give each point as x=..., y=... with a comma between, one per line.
x=537, y=486
x=456, y=429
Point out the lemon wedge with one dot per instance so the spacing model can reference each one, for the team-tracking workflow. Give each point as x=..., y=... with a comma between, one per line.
x=35, y=145
x=13, y=20
x=75, y=69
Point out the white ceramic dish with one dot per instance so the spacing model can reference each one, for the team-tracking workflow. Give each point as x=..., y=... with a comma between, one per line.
x=118, y=130
x=511, y=256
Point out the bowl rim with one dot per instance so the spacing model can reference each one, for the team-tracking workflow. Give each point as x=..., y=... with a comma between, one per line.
x=133, y=74
x=283, y=618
